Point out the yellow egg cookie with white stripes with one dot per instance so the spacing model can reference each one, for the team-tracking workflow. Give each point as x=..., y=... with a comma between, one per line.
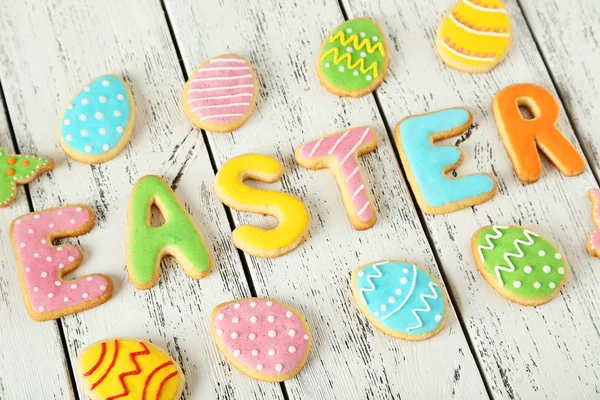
x=354, y=58
x=475, y=35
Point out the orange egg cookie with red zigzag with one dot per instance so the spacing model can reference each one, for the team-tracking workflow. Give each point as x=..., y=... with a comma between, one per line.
x=129, y=369
x=354, y=58
x=475, y=35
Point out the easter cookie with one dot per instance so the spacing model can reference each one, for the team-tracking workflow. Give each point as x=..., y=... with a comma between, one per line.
x=475, y=35
x=426, y=164
x=42, y=265
x=178, y=236
x=262, y=338
x=354, y=58
x=593, y=243
x=130, y=369
x=221, y=93
x=98, y=121
x=523, y=137
x=18, y=169
x=519, y=263
x=294, y=219
x=400, y=299
x=339, y=152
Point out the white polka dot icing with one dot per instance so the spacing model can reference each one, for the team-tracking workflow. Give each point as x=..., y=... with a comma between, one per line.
x=520, y=261
x=413, y=298
x=42, y=263
x=278, y=347
x=90, y=126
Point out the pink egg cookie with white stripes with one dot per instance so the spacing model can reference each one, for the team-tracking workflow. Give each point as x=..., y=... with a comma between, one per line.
x=221, y=93
x=263, y=338
x=42, y=265
x=339, y=152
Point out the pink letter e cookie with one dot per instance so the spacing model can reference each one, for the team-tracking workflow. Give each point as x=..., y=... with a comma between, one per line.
x=42, y=265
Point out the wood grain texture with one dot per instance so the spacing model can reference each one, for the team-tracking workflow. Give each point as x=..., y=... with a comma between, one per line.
x=550, y=351
x=349, y=359
x=572, y=53
x=25, y=345
x=68, y=43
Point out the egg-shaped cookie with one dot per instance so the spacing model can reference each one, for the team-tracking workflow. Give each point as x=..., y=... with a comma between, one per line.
x=354, y=58
x=221, y=93
x=474, y=35
x=130, y=369
x=98, y=121
x=519, y=263
x=262, y=338
x=400, y=299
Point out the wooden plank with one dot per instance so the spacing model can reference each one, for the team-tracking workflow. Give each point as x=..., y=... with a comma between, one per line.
x=350, y=360
x=67, y=44
x=543, y=352
x=571, y=52
x=26, y=345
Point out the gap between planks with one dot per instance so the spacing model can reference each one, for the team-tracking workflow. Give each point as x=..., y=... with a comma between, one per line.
x=430, y=242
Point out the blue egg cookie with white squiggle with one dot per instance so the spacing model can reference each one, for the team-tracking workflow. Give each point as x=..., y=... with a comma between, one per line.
x=98, y=121
x=400, y=299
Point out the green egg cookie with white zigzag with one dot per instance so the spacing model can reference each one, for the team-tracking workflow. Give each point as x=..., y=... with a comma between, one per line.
x=519, y=263
x=354, y=58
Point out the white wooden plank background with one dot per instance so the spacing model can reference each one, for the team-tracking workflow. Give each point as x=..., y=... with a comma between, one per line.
x=47, y=51
x=544, y=352
x=75, y=42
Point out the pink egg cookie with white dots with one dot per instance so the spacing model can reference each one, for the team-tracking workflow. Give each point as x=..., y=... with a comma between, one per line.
x=221, y=93
x=263, y=338
x=42, y=265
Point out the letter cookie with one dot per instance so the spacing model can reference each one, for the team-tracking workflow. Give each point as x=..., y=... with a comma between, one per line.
x=129, y=369
x=425, y=164
x=178, y=236
x=400, y=299
x=98, y=121
x=475, y=35
x=18, y=169
x=339, y=152
x=294, y=220
x=521, y=136
x=220, y=95
x=519, y=263
x=263, y=338
x=42, y=265
x=593, y=244
x=354, y=58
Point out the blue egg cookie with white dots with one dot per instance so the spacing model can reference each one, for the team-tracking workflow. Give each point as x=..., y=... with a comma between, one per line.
x=98, y=121
x=400, y=299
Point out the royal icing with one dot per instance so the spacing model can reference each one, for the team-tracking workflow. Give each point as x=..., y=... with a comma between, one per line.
x=178, y=236
x=522, y=137
x=129, y=369
x=520, y=261
x=354, y=55
x=475, y=33
x=222, y=90
x=43, y=265
x=18, y=169
x=594, y=238
x=97, y=117
x=292, y=214
x=428, y=163
x=345, y=147
x=263, y=335
x=400, y=296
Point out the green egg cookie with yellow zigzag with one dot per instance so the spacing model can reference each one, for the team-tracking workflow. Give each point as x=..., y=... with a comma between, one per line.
x=354, y=58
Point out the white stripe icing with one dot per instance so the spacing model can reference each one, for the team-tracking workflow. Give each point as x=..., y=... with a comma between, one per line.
x=412, y=289
x=485, y=9
x=237, y=60
x=360, y=189
x=464, y=55
x=340, y=139
x=220, y=88
x=364, y=208
x=221, y=106
x=221, y=78
x=220, y=97
x=475, y=31
x=352, y=174
x=368, y=278
x=356, y=146
x=314, y=149
x=427, y=308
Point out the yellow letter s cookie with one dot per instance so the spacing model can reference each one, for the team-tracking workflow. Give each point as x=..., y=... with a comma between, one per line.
x=292, y=214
